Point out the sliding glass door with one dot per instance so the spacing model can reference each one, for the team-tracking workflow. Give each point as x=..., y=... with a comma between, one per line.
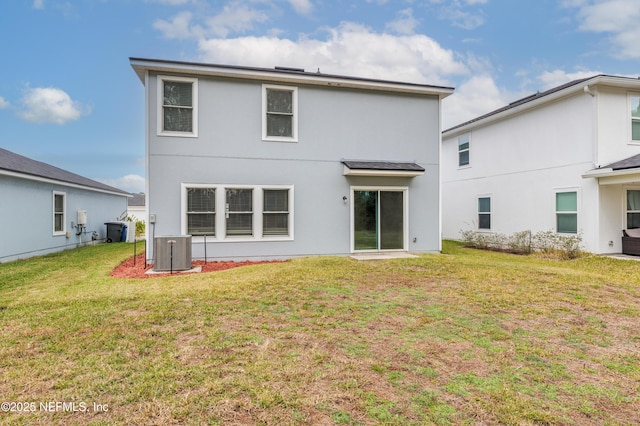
x=378, y=219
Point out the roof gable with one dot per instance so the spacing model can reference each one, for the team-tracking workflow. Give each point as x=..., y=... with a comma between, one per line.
x=12, y=162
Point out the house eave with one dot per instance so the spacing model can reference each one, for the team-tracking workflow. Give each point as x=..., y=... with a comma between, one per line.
x=609, y=176
x=288, y=76
x=579, y=87
x=61, y=183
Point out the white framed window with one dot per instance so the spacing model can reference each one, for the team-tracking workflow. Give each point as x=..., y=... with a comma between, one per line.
x=177, y=106
x=567, y=212
x=633, y=208
x=484, y=213
x=634, y=111
x=201, y=211
x=463, y=150
x=59, y=213
x=279, y=113
x=237, y=212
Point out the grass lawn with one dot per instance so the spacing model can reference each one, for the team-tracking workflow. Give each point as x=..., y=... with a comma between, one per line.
x=465, y=337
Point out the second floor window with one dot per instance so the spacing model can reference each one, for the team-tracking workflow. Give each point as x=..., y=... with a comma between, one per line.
x=178, y=115
x=635, y=117
x=463, y=150
x=280, y=113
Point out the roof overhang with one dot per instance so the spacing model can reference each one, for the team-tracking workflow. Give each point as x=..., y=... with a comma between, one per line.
x=382, y=168
x=61, y=183
x=290, y=76
x=609, y=176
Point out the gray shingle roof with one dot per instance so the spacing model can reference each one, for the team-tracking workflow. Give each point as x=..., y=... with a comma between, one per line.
x=138, y=200
x=13, y=162
x=627, y=163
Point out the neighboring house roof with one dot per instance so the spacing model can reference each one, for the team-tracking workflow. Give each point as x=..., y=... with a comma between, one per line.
x=547, y=96
x=284, y=74
x=137, y=200
x=15, y=164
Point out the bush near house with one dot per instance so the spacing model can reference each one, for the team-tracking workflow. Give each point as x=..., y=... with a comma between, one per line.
x=545, y=243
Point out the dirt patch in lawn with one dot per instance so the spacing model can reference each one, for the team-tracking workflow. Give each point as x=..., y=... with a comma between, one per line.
x=137, y=269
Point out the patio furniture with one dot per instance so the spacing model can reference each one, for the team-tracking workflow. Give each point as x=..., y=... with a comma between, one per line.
x=631, y=241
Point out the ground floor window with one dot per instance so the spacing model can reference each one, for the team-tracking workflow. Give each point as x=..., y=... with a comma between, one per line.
x=633, y=208
x=484, y=213
x=59, y=212
x=249, y=212
x=379, y=219
x=567, y=212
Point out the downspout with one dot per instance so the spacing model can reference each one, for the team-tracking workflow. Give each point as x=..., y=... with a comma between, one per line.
x=596, y=163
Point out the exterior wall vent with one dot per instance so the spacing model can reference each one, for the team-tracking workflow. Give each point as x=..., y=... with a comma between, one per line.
x=176, y=246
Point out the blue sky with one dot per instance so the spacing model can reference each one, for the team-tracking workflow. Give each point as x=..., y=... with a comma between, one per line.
x=69, y=97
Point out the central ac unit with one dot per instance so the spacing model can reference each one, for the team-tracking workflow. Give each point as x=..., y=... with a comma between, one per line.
x=172, y=252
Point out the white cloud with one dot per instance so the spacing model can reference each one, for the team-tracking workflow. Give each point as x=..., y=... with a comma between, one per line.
x=130, y=183
x=404, y=23
x=551, y=79
x=350, y=49
x=476, y=96
x=303, y=7
x=38, y=4
x=619, y=18
x=461, y=17
x=179, y=27
x=233, y=18
x=4, y=103
x=50, y=105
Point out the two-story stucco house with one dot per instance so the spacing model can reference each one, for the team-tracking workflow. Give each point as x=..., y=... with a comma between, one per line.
x=47, y=209
x=276, y=163
x=566, y=160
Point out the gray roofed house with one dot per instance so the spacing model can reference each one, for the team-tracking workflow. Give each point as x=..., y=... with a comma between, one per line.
x=266, y=163
x=51, y=209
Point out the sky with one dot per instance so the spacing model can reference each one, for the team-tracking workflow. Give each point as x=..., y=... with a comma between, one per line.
x=69, y=97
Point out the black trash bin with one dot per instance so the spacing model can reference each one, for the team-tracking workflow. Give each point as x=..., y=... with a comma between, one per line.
x=114, y=231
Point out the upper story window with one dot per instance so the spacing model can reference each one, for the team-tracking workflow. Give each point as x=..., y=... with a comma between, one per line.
x=280, y=113
x=463, y=150
x=178, y=106
x=484, y=213
x=567, y=212
x=634, y=101
x=59, y=213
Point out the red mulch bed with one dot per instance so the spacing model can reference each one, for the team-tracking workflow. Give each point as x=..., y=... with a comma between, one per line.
x=127, y=270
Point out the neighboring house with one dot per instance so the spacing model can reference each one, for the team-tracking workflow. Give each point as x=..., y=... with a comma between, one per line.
x=136, y=208
x=277, y=163
x=566, y=160
x=47, y=209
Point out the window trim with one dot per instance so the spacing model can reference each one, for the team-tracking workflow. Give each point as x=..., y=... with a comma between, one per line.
x=490, y=212
x=294, y=109
x=160, y=106
x=467, y=150
x=625, y=206
x=576, y=212
x=64, y=213
x=631, y=118
x=257, y=212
